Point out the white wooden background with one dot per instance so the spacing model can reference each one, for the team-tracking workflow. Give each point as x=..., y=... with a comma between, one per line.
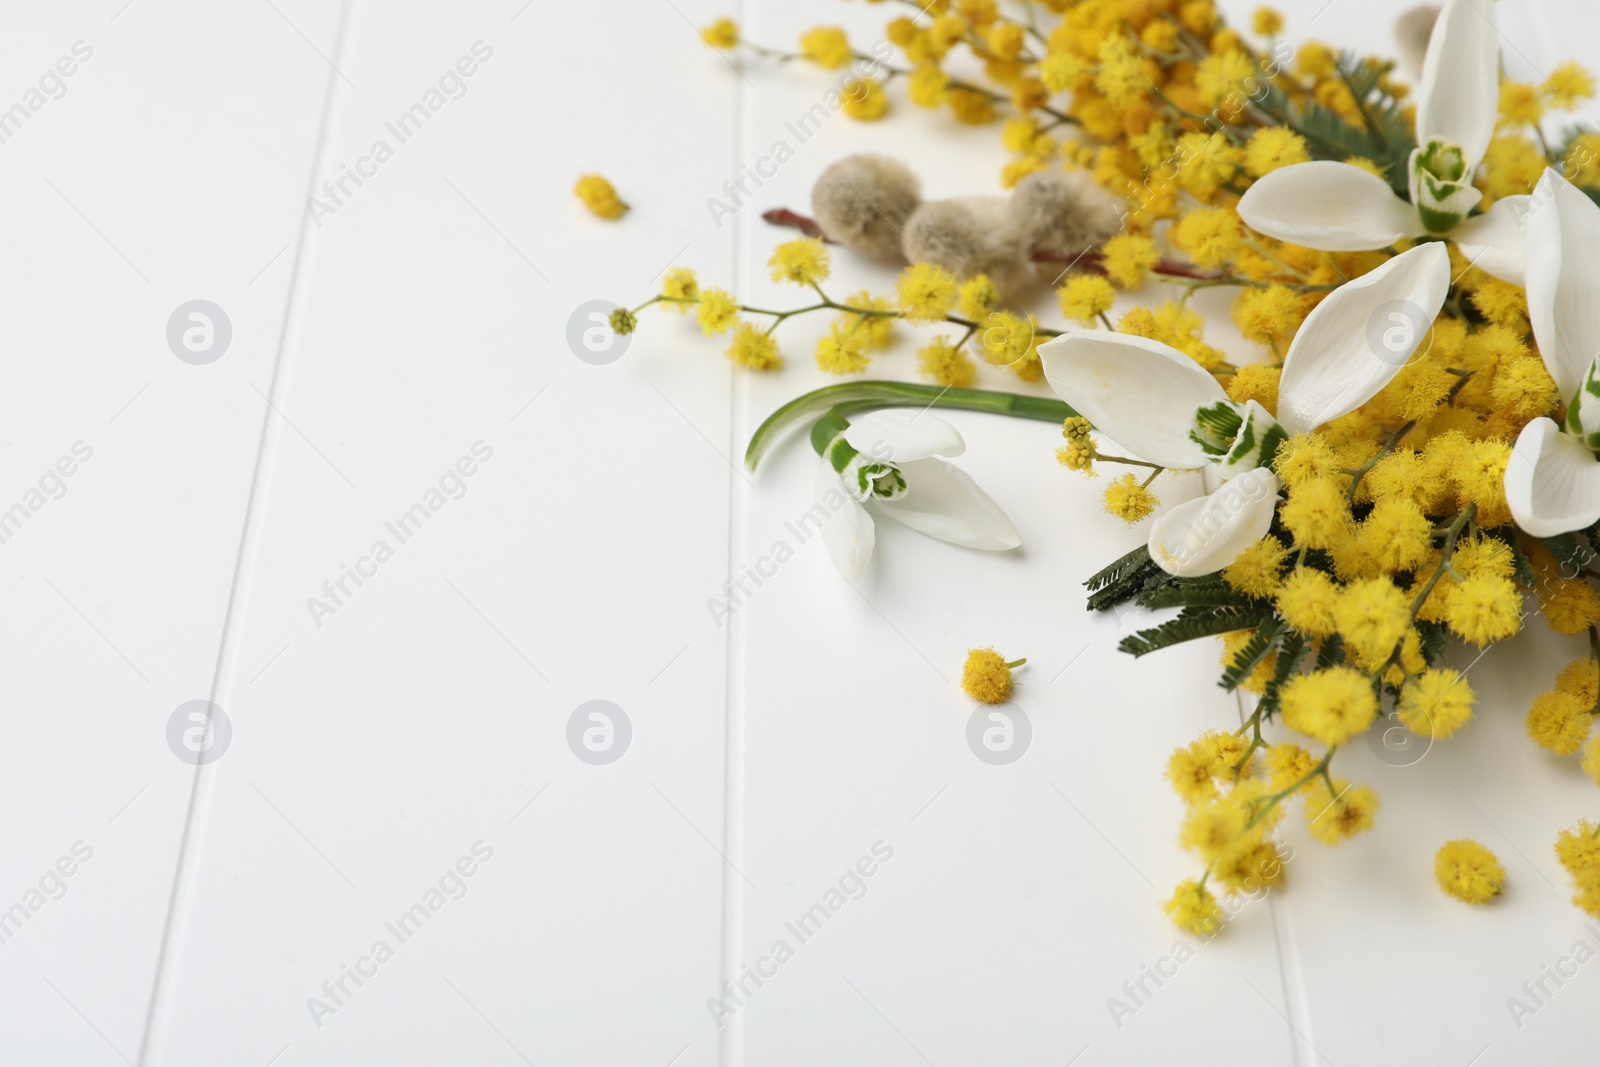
x=374, y=347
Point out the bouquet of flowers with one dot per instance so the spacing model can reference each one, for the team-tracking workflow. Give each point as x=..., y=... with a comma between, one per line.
x=1410, y=461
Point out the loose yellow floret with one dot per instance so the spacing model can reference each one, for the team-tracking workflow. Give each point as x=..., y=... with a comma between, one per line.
x=987, y=676
x=1468, y=871
x=600, y=197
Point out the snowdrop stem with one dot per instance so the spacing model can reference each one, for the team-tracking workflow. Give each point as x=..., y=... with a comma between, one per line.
x=850, y=398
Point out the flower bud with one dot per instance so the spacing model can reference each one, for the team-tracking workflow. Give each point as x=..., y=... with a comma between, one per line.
x=1064, y=212
x=967, y=237
x=863, y=202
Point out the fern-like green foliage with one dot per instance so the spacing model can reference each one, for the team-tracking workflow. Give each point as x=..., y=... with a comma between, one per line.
x=1255, y=650
x=1193, y=623
x=1208, y=592
x=1385, y=137
x=1123, y=580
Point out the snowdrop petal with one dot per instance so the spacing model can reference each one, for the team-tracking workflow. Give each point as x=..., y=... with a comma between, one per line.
x=1204, y=535
x=1563, y=263
x=1358, y=339
x=943, y=501
x=1332, y=206
x=897, y=435
x=1552, y=481
x=1138, y=392
x=1460, y=91
x=1494, y=240
x=847, y=531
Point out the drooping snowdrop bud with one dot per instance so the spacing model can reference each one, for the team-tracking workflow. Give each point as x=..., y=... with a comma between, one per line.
x=967, y=237
x=1063, y=212
x=863, y=202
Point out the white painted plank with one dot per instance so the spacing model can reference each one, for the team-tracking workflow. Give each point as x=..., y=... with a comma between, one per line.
x=168, y=166
x=430, y=710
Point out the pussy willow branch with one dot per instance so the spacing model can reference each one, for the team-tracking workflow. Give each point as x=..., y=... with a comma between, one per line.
x=1090, y=259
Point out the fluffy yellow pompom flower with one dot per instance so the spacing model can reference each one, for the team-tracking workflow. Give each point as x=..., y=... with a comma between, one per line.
x=1306, y=601
x=1215, y=829
x=1213, y=757
x=1129, y=258
x=1520, y=104
x=1287, y=765
x=1273, y=148
x=723, y=33
x=1121, y=79
x=927, y=84
x=1193, y=909
x=826, y=46
x=1591, y=760
x=1569, y=605
x=987, y=676
x=1331, y=705
x=1268, y=315
x=1578, y=849
x=864, y=99
x=947, y=364
x=1061, y=71
x=803, y=261
x=1086, y=297
x=1210, y=236
x=1372, y=617
x=1258, y=382
x=1251, y=869
x=1317, y=513
x=717, y=312
x=1221, y=75
x=1581, y=678
x=926, y=293
x=970, y=107
x=600, y=197
x=1568, y=86
x=976, y=297
x=877, y=329
x=754, y=349
x=1305, y=457
x=1484, y=609
x=1349, y=812
x=681, y=287
x=1396, y=534
x=1559, y=722
x=1436, y=703
x=843, y=351
x=1468, y=871
x=1258, y=570
x=1266, y=22
x=1128, y=500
